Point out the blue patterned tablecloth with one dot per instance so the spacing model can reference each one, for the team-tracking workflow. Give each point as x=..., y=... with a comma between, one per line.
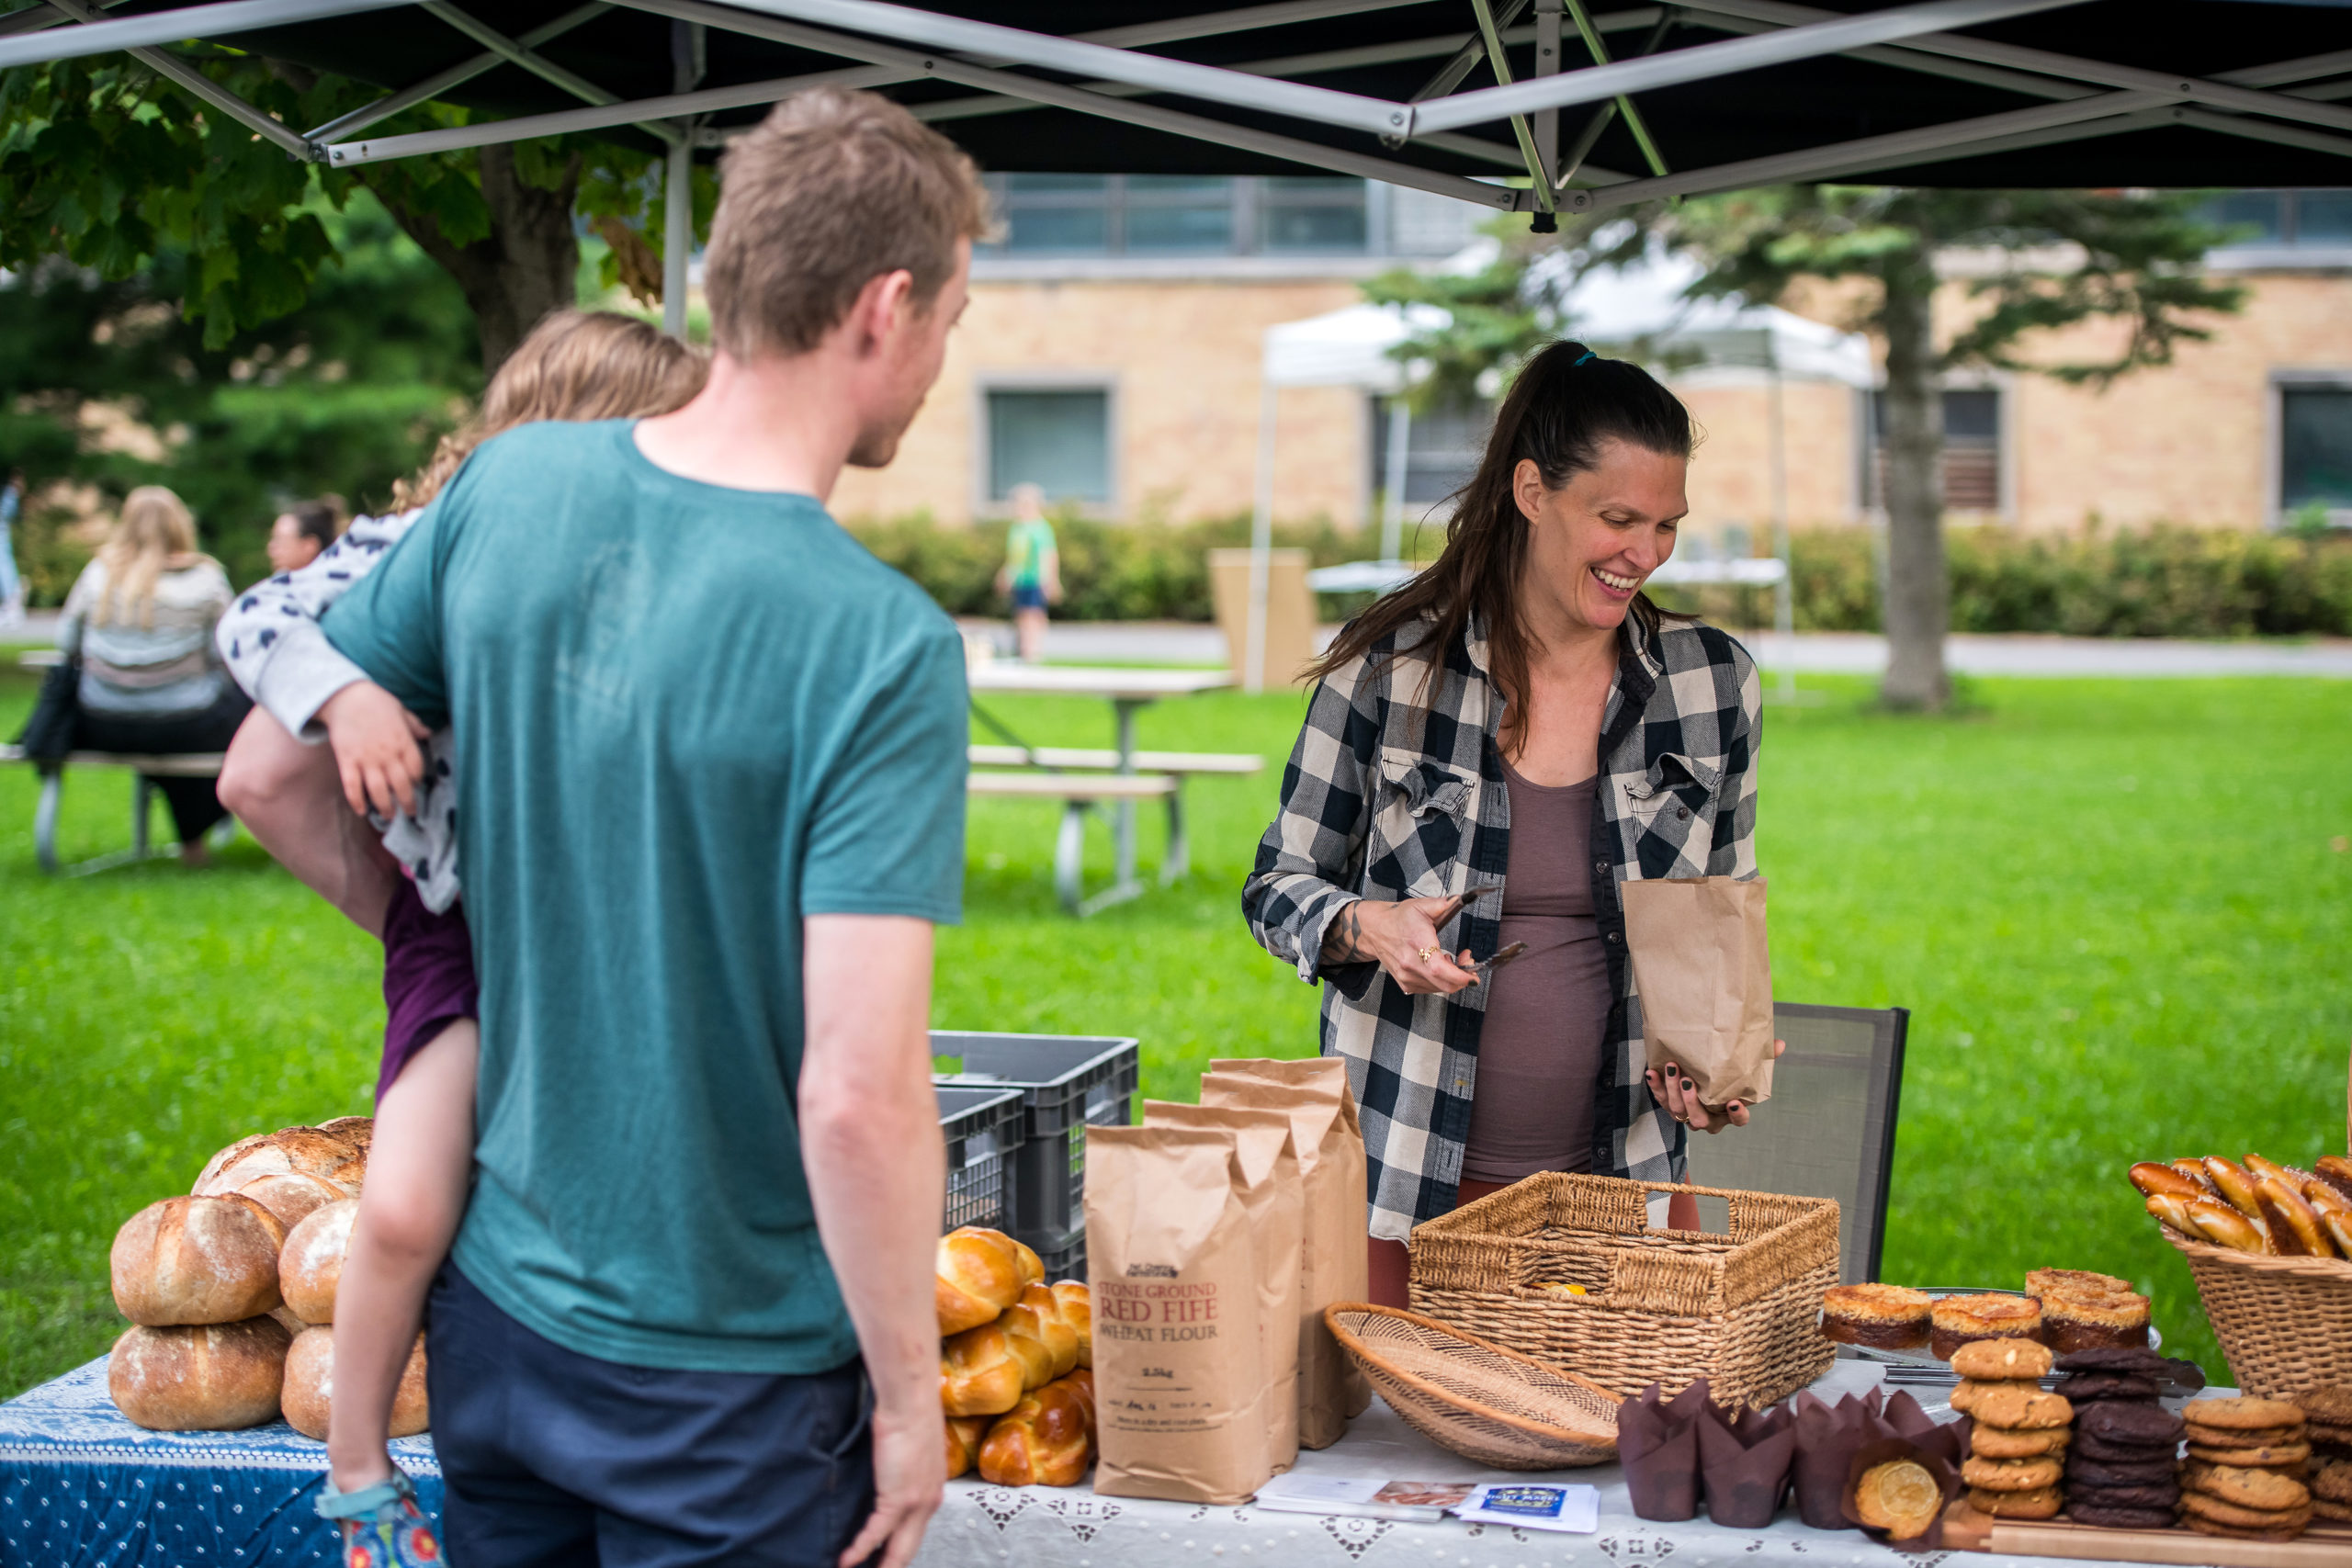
x=79, y=1484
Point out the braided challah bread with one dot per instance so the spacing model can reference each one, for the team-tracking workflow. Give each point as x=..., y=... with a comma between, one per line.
x=978, y=1373
x=980, y=1273
x=1047, y=1439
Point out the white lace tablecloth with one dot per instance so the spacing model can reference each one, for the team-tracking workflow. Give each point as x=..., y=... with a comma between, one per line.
x=1045, y=1526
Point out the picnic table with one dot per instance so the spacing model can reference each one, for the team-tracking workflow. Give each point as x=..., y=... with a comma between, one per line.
x=1125, y=775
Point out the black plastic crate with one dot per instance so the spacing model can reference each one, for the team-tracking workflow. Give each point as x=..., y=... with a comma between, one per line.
x=1067, y=1082
x=1065, y=1263
x=982, y=1127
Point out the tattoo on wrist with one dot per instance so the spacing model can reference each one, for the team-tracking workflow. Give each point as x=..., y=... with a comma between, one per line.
x=1343, y=940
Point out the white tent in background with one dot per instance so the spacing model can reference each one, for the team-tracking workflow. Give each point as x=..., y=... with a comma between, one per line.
x=1641, y=311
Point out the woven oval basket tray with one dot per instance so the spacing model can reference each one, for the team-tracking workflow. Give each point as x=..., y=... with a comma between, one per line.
x=1477, y=1399
x=2284, y=1322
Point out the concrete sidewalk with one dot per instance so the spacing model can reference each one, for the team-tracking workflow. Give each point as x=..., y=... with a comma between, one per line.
x=1824, y=653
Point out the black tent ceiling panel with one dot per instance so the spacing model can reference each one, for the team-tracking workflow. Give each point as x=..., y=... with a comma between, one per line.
x=1726, y=119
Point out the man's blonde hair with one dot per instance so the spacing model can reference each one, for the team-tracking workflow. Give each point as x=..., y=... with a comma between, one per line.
x=834, y=190
x=575, y=365
x=154, y=534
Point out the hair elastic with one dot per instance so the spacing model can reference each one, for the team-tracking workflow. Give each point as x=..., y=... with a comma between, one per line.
x=1587, y=354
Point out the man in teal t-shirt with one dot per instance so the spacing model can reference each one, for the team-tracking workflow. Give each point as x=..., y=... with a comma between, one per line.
x=711, y=785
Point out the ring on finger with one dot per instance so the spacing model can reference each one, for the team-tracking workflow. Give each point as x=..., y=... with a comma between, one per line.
x=1425, y=955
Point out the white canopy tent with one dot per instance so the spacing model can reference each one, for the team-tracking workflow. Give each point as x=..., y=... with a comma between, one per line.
x=1643, y=311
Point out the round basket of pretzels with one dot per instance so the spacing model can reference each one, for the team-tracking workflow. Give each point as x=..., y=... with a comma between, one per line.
x=2270, y=1248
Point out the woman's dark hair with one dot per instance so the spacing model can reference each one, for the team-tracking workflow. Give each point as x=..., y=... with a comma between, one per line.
x=321, y=519
x=1565, y=402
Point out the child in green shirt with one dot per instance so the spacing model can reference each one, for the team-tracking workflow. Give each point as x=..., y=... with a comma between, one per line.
x=1033, y=569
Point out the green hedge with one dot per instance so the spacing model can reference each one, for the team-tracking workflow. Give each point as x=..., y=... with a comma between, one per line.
x=2169, y=581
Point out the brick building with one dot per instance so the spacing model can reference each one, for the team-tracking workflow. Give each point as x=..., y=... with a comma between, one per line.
x=1112, y=354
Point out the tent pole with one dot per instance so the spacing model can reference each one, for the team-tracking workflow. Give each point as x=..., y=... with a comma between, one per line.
x=1261, y=543
x=1392, y=509
x=678, y=184
x=1784, y=592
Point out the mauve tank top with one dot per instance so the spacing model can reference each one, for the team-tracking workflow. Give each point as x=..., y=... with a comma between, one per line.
x=1538, y=1049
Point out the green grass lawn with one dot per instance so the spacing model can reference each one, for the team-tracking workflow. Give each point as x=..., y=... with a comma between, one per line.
x=2114, y=908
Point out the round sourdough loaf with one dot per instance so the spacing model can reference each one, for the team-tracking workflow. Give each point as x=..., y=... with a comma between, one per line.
x=310, y=1386
x=291, y=1195
x=337, y=1153
x=200, y=1377
x=187, y=1261
x=311, y=1266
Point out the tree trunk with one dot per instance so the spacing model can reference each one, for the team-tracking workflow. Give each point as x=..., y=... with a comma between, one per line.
x=527, y=267
x=1917, y=590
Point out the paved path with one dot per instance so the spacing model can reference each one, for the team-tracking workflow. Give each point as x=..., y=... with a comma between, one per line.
x=1824, y=653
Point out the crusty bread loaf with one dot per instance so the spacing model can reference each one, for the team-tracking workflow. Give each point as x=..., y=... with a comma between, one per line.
x=310, y=1386
x=310, y=1267
x=978, y=1373
x=1077, y=1311
x=339, y=1157
x=1045, y=1440
x=980, y=1274
x=187, y=1261
x=199, y=1378
x=291, y=1195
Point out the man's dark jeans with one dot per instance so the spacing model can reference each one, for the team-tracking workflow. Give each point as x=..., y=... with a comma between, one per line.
x=550, y=1457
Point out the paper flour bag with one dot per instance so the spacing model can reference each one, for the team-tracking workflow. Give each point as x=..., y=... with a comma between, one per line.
x=1332, y=1262
x=1180, y=1397
x=1705, y=974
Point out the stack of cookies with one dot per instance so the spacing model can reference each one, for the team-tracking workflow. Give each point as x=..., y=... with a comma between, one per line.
x=2328, y=1426
x=2017, y=1436
x=2247, y=1462
x=2120, y=1471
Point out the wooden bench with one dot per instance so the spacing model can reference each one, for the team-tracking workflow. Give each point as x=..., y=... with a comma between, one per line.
x=187, y=765
x=1080, y=794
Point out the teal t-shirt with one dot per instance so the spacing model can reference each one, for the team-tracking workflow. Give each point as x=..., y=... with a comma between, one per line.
x=686, y=717
x=1026, y=544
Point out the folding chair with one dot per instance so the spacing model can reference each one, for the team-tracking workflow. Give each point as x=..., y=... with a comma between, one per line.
x=1828, y=1130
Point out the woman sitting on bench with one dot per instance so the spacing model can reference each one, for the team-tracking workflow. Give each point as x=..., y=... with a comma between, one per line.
x=141, y=616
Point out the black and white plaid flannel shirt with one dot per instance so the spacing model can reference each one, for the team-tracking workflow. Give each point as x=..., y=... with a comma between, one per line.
x=1395, y=791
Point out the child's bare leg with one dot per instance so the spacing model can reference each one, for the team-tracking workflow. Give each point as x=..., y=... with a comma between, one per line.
x=288, y=796
x=418, y=1168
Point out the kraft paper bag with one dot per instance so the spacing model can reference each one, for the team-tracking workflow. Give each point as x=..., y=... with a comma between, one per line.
x=1276, y=1200
x=1330, y=1142
x=1703, y=971
x=1180, y=1400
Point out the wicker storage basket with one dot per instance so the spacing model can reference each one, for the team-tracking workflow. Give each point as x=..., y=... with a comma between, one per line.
x=1741, y=1310
x=1474, y=1399
x=2284, y=1322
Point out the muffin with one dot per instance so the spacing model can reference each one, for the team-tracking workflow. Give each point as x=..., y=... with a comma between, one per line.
x=1885, y=1317
x=2085, y=1322
x=1961, y=1320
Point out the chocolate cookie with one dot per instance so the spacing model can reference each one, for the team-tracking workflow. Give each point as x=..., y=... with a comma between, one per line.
x=2207, y=1527
x=2326, y=1402
x=2097, y=1472
x=2124, y=1421
x=2107, y=1451
x=2278, y=1456
x=2011, y=1474
x=2001, y=1442
x=2244, y=1414
x=2163, y=1497
x=2039, y=1503
x=2244, y=1519
x=2084, y=1388
x=2136, y=1359
x=2333, y=1481
x=2247, y=1488
x=2120, y=1518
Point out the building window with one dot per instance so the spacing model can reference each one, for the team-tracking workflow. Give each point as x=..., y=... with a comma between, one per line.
x=1442, y=451
x=2275, y=220
x=2315, y=450
x=1164, y=215
x=1972, y=457
x=1057, y=439
x=1297, y=215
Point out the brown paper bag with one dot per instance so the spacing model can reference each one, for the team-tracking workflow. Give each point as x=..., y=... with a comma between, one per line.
x=1276, y=1200
x=1330, y=1141
x=1703, y=971
x=1180, y=1402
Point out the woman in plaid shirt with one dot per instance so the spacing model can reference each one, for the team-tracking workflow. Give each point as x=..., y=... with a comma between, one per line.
x=1524, y=674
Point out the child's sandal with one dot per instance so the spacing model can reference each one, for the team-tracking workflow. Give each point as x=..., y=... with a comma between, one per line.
x=382, y=1526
